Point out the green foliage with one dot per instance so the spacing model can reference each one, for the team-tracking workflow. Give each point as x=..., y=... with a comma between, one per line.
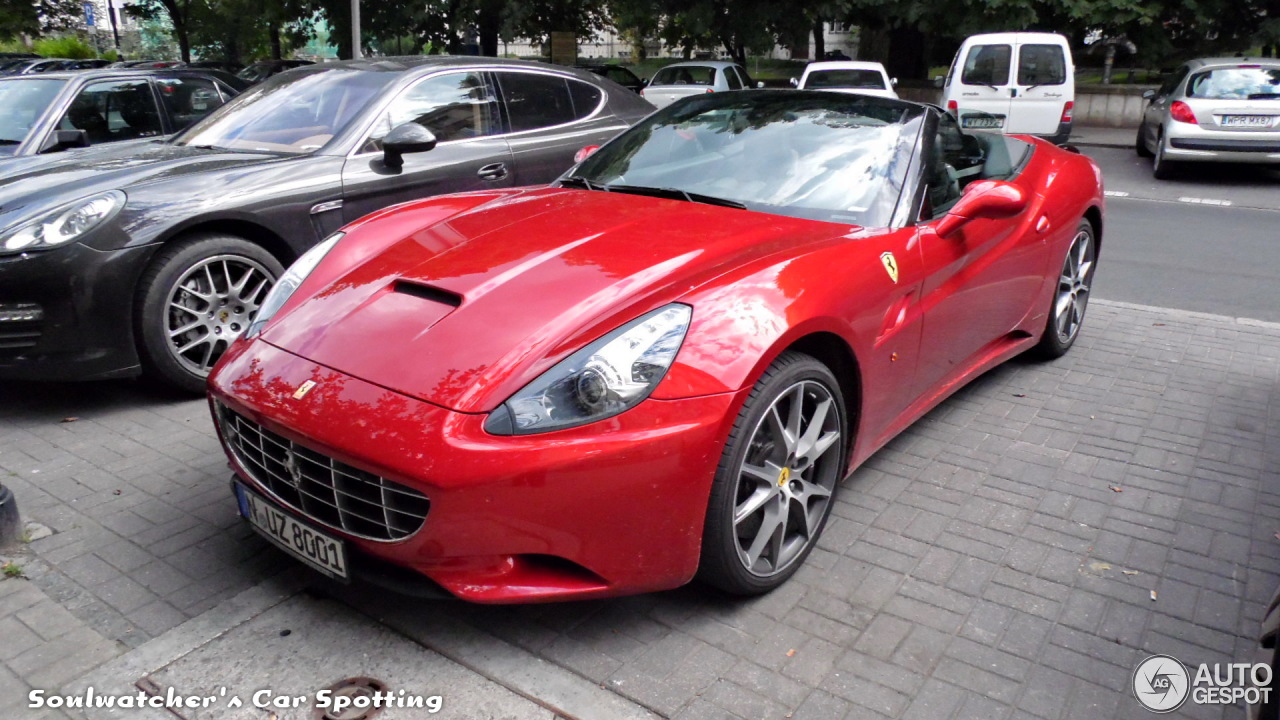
x=67, y=46
x=31, y=17
x=11, y=570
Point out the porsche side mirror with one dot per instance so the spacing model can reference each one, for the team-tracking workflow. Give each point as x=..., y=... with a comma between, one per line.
x=794, y=82
x=403, y=139
x=1148, y=94
x=990, y=199
x=585, y=153
x=60, y=140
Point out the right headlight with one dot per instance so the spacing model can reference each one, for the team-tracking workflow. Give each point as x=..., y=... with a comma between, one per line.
x=288, y=284
x=62, y=224
x=608, y=376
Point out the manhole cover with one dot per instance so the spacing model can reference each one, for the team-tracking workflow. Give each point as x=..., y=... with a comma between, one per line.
x=352, y=699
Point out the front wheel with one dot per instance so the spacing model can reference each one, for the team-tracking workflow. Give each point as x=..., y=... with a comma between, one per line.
x=197, y=297
x=777, y=478
x=1071, y=299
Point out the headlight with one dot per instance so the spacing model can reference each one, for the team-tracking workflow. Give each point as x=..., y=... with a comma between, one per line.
x=289, y=282
x=62, y=224
x=601, y=380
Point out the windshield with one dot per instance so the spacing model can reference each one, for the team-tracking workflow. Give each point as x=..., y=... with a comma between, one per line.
x=296, y=113
x=1236, y=83
x=823, y=157
x=864, y=79
x=22, y=102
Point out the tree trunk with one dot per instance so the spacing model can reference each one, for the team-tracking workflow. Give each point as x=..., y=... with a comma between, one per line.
x=489, y=24
x=1108, y=62
x=277, y=52
x=906, y=56
x=819, y=39
x=873, y=44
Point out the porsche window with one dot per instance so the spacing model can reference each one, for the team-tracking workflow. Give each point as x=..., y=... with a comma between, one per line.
x=825, y=158
x=453, y=106
x=22, y=102
x=294, y=113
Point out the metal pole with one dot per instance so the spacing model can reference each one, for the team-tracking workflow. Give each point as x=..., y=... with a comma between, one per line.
x=355, y=28
x=111, y=15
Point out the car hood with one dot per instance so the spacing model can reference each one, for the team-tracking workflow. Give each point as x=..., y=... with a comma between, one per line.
x=31, y=185
x=466, y=311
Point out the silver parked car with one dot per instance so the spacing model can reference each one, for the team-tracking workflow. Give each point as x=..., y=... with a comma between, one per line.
x=1213, y=109
x=694, y=78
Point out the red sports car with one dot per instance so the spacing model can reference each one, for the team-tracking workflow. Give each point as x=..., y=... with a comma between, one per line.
x=659, y=367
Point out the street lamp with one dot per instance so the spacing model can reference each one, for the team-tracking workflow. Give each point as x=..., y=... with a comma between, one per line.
x=355, y=29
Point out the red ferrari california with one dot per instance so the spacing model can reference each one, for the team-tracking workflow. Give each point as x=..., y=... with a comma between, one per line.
x=659, y=367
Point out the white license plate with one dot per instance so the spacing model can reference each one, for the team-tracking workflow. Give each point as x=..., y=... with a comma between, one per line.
x=982, y=122
x=1247, y=121
x=320, y=551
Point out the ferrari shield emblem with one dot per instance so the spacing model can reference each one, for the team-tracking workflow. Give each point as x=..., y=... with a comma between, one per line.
x=303, y=389
x=890, y=266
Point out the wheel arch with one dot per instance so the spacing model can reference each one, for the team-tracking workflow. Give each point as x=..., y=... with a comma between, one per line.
x=1094, y=215
x=254, y=232
x=831, y=350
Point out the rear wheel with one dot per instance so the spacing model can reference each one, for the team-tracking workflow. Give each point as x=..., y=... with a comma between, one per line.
x=1071, y=299
x=197, y=297
x=777, y=478
x=1140, y=144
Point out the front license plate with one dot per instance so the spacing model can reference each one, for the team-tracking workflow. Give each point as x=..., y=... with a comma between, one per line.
x=982, y=122
x=317, y=549
x=1262, y=121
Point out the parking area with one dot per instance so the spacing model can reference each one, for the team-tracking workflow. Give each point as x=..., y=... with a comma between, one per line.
x=1014, y=554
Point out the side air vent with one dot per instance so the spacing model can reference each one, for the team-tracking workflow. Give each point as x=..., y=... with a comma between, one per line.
x=426, y=292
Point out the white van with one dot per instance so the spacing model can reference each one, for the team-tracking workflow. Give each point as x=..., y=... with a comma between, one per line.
x=1014, y=82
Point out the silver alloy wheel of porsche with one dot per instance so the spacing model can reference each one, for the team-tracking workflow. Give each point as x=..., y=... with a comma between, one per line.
x=211, y=305
x=1073, y=286
x=787, y=478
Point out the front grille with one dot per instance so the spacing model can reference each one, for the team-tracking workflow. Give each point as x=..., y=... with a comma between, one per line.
x=20, y=327
x=330, y=492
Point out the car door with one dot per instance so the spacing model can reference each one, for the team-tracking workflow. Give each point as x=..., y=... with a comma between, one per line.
x=979, y=283
x=551, y=117
x=1038, y=90
x=461, y=109
x=982, y=102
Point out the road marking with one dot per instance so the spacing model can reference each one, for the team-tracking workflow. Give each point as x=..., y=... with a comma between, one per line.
x=1205, y=201
x=1115, y=193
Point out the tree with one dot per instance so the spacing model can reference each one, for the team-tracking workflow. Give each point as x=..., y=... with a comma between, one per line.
x=19, y=18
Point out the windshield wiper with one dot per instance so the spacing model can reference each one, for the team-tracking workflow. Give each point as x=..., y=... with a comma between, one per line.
x=581, y=182
x=676, y=194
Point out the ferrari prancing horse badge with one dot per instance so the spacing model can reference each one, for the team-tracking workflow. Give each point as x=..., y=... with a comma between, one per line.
x=890, y=266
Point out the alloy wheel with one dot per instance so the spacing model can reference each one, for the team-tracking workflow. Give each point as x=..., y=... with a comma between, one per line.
x=786, y=478
x=211, y=305
x=1073, y=286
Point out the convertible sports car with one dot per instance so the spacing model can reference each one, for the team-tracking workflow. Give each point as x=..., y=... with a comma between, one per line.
x=662, y=365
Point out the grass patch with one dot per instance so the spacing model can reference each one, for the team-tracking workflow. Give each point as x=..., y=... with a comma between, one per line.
x=11, y=570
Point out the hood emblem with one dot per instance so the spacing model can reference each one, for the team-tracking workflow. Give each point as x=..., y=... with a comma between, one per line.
x=890, y=266
x=303, y=389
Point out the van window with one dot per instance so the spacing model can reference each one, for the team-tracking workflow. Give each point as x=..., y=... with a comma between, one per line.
x=987, y=65
x=1041, y=65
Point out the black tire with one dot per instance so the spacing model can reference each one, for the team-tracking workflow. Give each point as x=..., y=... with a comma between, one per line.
x=724, y=564
x=1140, y=144
x=155, y=315
x=1161, y=167
x=1054, y=343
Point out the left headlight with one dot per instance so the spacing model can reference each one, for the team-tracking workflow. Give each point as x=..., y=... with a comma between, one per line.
x=599, y=381
x=63, y=224
x=289, y=282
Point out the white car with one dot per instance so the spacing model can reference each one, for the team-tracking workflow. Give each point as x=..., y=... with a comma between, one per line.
x=683, y=79
x=851, y=76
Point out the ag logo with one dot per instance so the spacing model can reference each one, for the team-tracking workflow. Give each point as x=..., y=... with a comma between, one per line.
x=1161, y=683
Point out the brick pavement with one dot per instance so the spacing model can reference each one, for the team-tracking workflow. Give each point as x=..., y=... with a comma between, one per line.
x=979, y=566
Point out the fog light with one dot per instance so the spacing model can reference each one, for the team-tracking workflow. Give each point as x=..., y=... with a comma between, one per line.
x=20, y=312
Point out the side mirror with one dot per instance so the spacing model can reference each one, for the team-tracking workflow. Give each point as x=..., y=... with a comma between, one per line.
x=1148, y=94
x=939, y=81
x=991, y=199
x=760, y=84
x=894, y=81
x=407, y=138
x=585, y=153
x=60, y=140
x=794, y=82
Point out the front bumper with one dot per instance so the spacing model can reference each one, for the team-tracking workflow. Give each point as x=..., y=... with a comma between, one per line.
x=67, y=313
x=611, y=508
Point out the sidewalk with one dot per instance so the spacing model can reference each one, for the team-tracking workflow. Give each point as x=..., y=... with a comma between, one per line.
x=999, y=559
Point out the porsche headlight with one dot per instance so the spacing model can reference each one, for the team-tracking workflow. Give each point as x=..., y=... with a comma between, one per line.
x=601, y=380
x=62, y=224
x=289, y=282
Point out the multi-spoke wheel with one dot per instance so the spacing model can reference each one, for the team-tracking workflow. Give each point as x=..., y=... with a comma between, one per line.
x=777, y=478
x=1071, y=298
x=197, y=297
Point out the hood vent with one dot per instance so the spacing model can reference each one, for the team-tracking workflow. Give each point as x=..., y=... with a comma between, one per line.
x=427, y=292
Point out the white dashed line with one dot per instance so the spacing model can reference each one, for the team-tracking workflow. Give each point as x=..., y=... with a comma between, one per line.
x=1115, y=193
x=1205, y=201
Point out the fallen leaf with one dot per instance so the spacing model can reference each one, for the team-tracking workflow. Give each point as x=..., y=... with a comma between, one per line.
x=69, y=419
x=1153, y=596
x=791, y=652
x=1019, y=395
x=1130, y=572
x=1116, y=489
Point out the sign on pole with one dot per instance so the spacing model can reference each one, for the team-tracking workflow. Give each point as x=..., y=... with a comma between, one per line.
x=88, y=14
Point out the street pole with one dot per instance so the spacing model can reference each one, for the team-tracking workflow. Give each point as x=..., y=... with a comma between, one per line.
x=111, y=15
x=355, y=29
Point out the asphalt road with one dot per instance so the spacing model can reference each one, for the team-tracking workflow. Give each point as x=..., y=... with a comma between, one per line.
x=1208, y=241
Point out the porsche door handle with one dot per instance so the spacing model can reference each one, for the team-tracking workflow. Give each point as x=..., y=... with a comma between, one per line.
x=493, y=171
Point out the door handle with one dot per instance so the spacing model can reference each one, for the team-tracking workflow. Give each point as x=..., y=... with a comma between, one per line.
x=493, y=171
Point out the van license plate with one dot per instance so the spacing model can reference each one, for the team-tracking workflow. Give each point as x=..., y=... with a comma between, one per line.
x=982, y=122
x=320, y=551
x=1247, y=120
